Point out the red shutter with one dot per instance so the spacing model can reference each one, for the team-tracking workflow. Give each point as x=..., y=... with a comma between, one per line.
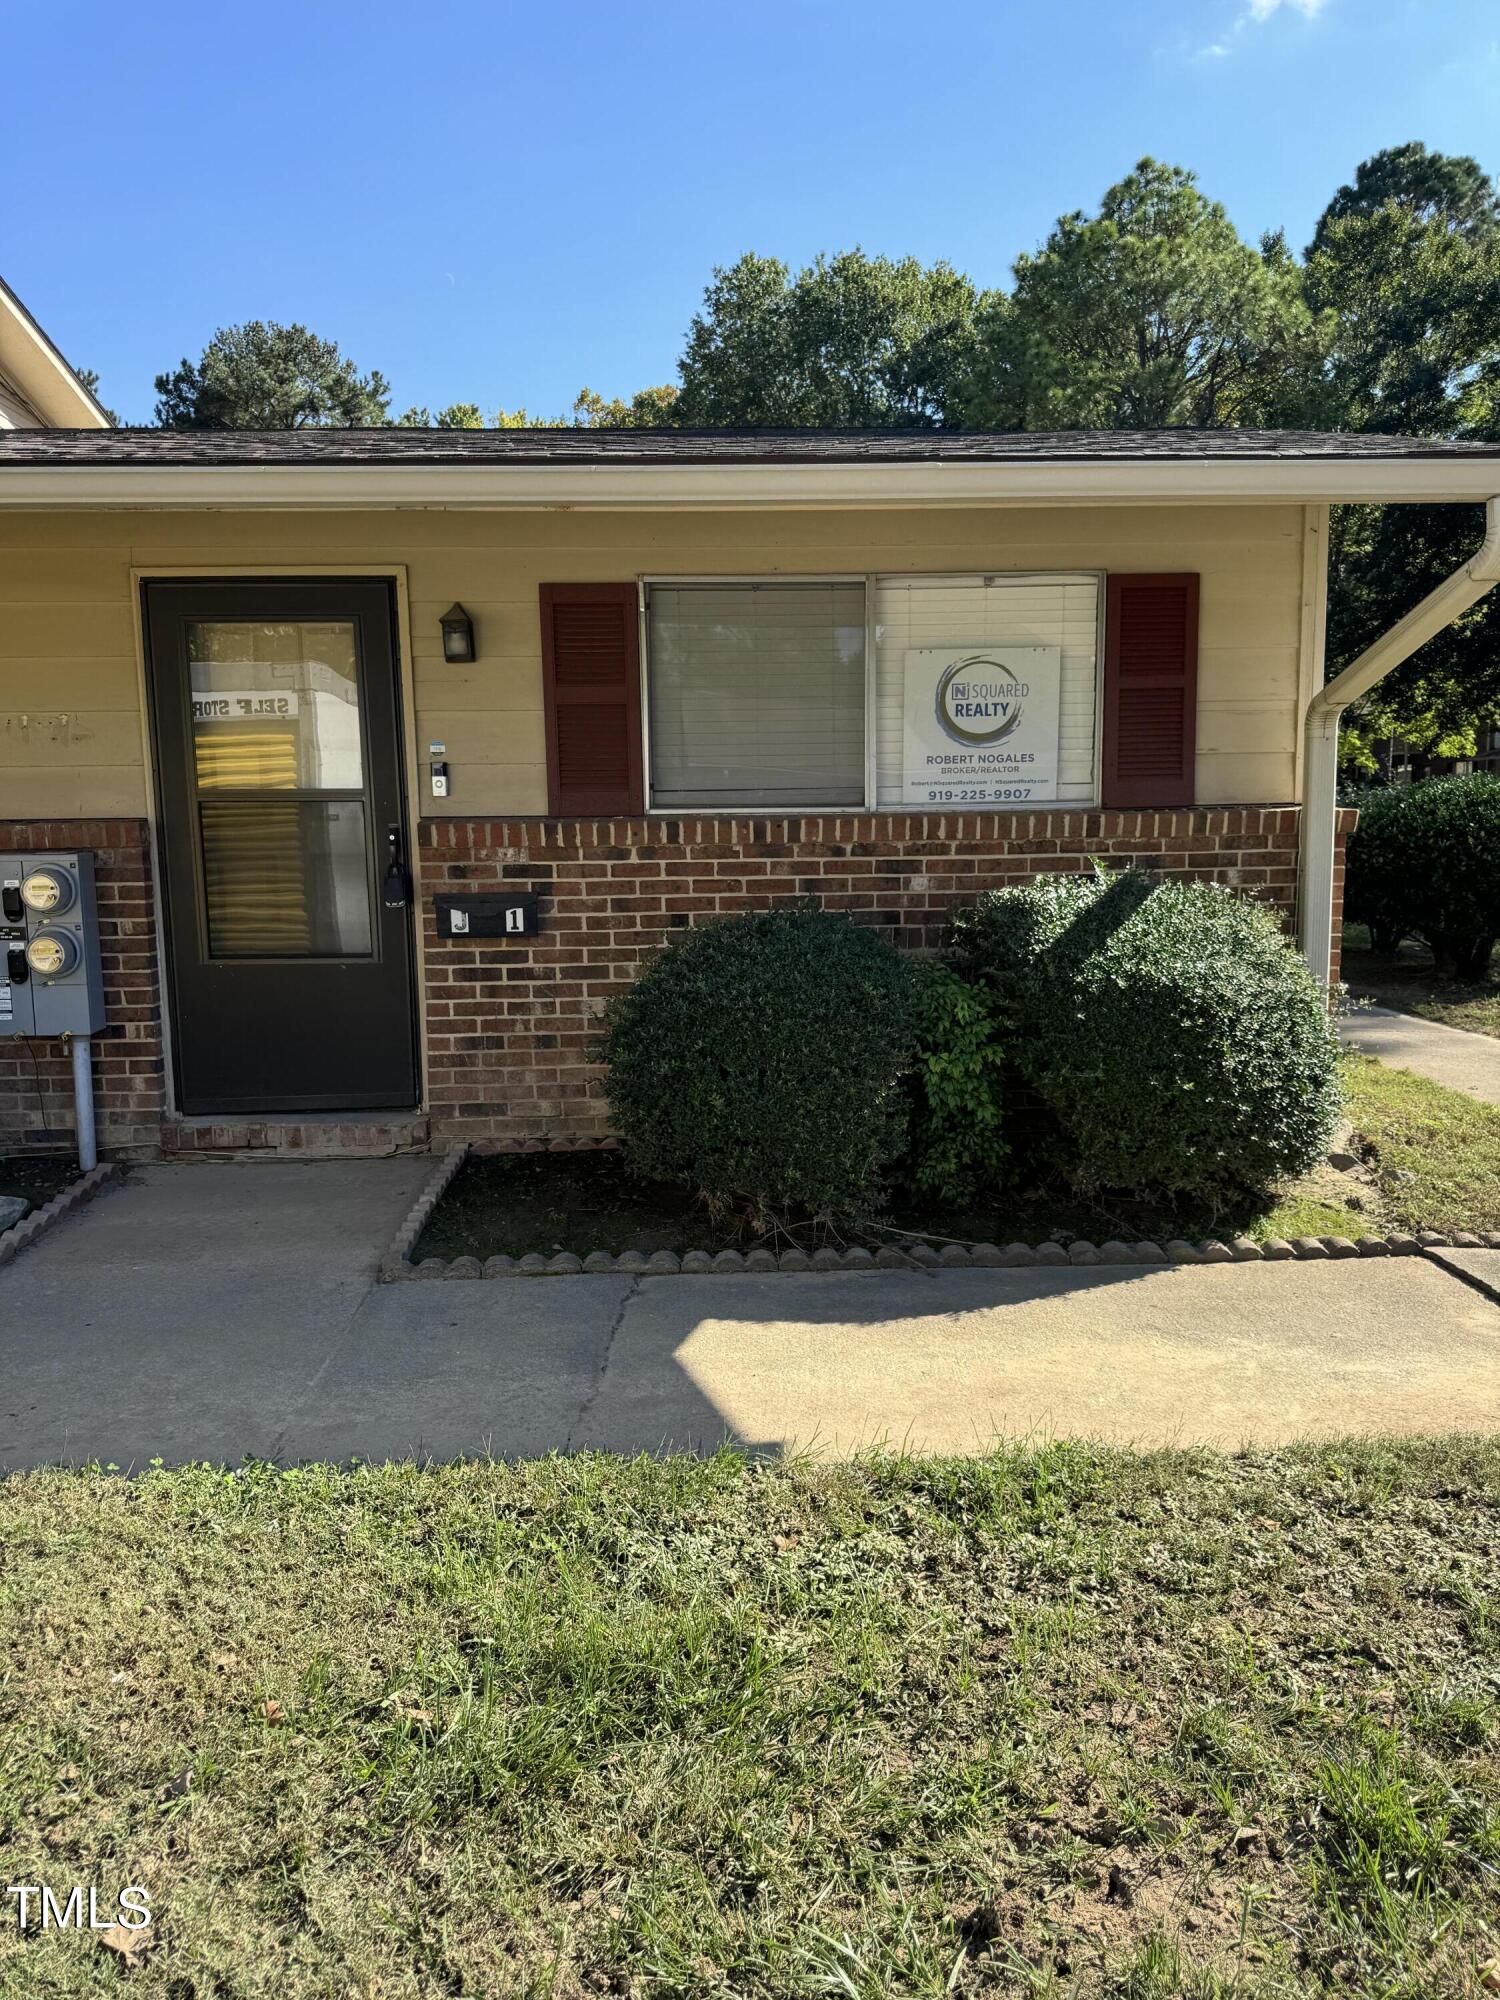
x=1150, y=690
x=591, y=679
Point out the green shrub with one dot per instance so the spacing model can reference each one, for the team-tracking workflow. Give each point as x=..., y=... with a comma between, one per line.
x=1424, y=861
x=760, y=1061
x=1177, y=1041
x=958, y=1149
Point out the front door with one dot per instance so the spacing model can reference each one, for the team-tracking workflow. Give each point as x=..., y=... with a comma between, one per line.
x=289, y=949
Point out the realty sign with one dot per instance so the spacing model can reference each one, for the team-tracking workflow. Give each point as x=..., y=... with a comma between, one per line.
x=981, y=725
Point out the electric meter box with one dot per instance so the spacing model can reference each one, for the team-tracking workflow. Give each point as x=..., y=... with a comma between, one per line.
x=51, y=980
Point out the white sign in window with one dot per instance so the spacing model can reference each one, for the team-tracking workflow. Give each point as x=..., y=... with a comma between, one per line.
x=1001, y=615
x=981, y=725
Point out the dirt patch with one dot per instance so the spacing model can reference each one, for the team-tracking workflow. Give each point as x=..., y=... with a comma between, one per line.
x=36, y=1177
x=510, y=1203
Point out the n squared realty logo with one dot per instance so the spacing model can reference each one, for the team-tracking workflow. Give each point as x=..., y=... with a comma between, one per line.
x=980, y=700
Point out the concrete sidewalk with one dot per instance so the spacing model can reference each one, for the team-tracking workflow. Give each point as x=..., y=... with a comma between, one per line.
x=224, y=1311
x=1451, y=1056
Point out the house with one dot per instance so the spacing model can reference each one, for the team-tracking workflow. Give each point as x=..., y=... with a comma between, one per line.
x=37, y=387
x=1405, y=763
x=399, y=751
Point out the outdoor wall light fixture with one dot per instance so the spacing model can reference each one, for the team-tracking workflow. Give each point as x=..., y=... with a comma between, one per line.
x=458, y=634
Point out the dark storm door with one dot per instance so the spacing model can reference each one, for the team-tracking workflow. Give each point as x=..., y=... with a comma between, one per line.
x=276, y=712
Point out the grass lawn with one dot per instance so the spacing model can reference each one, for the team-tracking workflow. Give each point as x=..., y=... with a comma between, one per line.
x=1408, y=983
x=1435, y=1152
x=1063, y=1722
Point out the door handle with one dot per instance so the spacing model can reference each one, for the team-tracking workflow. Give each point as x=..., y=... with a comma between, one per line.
x=396, y=892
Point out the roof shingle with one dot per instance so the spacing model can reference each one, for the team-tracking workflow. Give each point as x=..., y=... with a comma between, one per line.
x=394, y=445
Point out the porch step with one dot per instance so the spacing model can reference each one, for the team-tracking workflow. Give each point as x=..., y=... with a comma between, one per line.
x=357, y=1135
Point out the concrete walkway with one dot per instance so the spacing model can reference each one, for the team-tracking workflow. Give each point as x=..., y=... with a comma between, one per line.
x=1453, y=1056
x=223, y=1311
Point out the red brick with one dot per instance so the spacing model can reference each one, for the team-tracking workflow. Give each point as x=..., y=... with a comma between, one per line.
x=128, y=1065
x=617, y=888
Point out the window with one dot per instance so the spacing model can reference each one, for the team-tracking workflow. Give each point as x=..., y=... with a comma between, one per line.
x=760, y=694
x=276, y=731
x=756, y=694
x=1059, y=615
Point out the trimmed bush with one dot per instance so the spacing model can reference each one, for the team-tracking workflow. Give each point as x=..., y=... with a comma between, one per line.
x=1179, y=1044
x=1424, y=861
x=761, y=1061
x=958, y=1149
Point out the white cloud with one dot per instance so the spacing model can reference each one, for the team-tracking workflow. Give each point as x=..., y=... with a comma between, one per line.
x=1255, y=15
x=1262, y=10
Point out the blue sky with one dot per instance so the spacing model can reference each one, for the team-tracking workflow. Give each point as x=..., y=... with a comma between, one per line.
x=500, y=203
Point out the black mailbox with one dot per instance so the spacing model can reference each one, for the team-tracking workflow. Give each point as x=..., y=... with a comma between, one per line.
x=486, y=916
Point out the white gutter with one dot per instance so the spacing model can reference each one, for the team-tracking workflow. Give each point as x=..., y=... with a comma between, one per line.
x=1080, y=481
x=1438, y=609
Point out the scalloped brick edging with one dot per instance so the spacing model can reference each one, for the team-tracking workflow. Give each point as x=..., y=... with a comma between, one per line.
x=21, y=1235
x=396, y=1265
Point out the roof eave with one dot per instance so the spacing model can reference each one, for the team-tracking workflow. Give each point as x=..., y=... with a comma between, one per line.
x=612, y=486
x=41, y=372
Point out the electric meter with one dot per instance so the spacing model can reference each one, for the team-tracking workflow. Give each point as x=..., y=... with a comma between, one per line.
x=52, y=954
x=51, y=963
x=48, y=891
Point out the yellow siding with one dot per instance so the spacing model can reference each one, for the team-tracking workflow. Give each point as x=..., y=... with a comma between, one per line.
x=70, y=737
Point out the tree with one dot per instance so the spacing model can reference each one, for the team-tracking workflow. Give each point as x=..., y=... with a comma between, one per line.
x=457, y=417
x=648, y=409
x=852, y=342
x=89, y=377
x=263, y=376
x=1447, y=187
x=1153, y=312
x=1413, y=291
x=1382, y=561
x=1406, y=260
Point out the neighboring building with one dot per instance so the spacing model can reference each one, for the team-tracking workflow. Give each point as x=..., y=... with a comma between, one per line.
x=1405, y=763
x=708, y=671
x=37, y=387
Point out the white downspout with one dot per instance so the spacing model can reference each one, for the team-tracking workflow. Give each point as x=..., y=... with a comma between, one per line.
x=1438, y=609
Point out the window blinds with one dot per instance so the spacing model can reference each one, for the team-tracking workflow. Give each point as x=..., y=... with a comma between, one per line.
x=757, y=694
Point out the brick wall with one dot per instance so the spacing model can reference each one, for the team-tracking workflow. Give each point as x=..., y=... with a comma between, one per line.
x=36, y=1076
x=509, y=1024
